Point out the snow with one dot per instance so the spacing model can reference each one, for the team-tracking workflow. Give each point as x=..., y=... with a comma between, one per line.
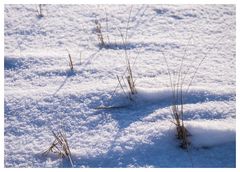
x=210, y=133
x=42, y=94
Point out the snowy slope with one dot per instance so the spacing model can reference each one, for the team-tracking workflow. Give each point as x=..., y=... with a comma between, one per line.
x=41, y=94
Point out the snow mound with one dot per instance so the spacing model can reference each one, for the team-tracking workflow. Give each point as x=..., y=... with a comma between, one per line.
x=211, y=133
x=194, y=94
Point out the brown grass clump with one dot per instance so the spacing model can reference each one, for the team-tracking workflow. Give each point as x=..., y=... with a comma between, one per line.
x=60, y=147
x=182, y=132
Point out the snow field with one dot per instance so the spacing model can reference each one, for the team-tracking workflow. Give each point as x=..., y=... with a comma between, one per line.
x=41, y=93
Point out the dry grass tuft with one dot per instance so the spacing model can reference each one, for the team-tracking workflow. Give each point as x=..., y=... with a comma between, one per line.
x=99, y=33
x=127, y=84
x=178, y=103
x=60, y=147
x=182, y=132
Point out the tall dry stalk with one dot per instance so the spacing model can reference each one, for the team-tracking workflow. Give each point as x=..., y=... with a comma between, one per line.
x=130, y=82
x=39, y=10
x=99, y=33
x=70, y=60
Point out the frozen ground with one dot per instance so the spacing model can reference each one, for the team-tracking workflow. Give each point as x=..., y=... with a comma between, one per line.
x=42, y=94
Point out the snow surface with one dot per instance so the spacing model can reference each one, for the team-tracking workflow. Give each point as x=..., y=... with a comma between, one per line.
x=42, y=94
